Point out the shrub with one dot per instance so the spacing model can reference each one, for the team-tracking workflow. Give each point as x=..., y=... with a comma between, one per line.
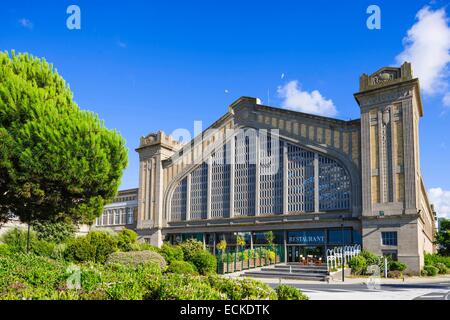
x=27, y=276
x=56, y=232
x=4, y=249
x=96, y=246
x=430, y=271
x=285, y=292
x=125, y=239
x=142, y=246
x=397, y=266
x=182, y=267
x=43, y=248
x=372, y=259
x=271, y=255
x=441, y=267
x=190, y=247
x=16, y=239
x=135, y=258
x=432, y=259
x=171, y=253
x=358, y=265
x=205, y=262
x=242, y=289
x=174, y=286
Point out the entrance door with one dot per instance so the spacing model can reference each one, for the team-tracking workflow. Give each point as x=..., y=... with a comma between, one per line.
x=294, y=253
x=305, y=253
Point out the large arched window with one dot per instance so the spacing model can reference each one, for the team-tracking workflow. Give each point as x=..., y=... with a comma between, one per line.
x=264, y=171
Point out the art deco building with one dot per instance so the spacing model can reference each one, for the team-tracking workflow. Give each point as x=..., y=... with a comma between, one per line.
x=316, y=182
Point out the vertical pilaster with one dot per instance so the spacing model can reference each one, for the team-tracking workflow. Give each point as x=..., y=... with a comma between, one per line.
x=393, y=156
x=257, y=174
x=209, y=188
x=382, y=159
x=366, y=169
x=409, y=151
x=285, y=165
x=316, y=182
x=158, y=191
x=232, y=160
x=147, y=202
x=188, y=197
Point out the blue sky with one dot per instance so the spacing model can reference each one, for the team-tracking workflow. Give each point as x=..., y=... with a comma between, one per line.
x=145, y=66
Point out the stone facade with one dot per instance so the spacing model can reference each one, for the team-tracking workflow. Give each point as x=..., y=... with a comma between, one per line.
x=361, y=175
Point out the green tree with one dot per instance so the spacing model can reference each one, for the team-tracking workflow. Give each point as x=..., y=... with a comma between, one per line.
x=443, y=237
x=56, y=160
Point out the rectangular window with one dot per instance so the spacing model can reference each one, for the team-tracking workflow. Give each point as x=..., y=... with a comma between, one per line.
x=130, y=215
x=389, y=238
x=117, y=217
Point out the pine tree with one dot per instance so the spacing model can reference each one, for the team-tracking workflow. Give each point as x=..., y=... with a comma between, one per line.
x=56, y=160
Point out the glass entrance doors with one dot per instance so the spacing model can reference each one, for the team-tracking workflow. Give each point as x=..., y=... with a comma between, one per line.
x=306, y=254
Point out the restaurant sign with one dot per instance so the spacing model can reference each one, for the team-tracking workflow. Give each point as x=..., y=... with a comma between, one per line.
x=306, y=237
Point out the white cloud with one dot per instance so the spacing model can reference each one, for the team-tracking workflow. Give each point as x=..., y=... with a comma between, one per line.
x=427, y=46
x=441, y=200
x=26, y=23
x=446, y=100
x=309, y=102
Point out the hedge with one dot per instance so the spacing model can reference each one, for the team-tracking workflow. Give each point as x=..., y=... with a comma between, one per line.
x=285, y=292
x=135, y=258
x=182, y=267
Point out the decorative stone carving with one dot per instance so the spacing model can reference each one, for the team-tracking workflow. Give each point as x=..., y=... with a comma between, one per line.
x=384, y=76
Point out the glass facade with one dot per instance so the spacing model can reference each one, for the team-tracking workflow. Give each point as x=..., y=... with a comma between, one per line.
x=264, y=159
x=298, y=242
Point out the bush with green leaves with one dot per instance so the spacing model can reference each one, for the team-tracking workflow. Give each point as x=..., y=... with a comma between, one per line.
x=372, y=259
x=96, y=246
x=30, y=276
x=190, y=247
x=56, y=232
x=135, y=258
x=397, y=266
x=285, y=292
x=358, y=264
x=173, y=286
x=430, y=271
x=432, y=259
x=205, y=262
x=171, y=253
x=182, y=267
x=27, y=276
x=141, y=246
x=441, y=267
x=16, y=239
x=125, y=239
x=242, y=289
x=4, y=249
